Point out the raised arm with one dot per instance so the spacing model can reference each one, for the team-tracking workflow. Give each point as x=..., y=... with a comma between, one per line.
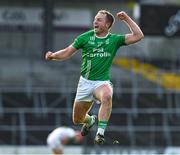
x=61, y=54
x=136, y=33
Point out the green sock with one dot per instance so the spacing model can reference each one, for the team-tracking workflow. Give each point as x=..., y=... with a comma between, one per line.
x=101, y=127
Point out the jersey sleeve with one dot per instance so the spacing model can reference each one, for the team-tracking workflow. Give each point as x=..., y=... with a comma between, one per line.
x=79, y=42
x=120, y=40
x=82, y=39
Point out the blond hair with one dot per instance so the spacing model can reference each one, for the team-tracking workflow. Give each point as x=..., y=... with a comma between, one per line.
x=110, y=18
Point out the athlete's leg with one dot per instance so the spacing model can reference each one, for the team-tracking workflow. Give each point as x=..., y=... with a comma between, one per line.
x=81, y=116
x=80, y=112
x=104, y=94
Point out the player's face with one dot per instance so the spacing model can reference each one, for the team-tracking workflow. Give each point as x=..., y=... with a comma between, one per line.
x=100, y=23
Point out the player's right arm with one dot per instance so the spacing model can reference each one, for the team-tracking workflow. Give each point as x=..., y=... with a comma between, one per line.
x=61, y=54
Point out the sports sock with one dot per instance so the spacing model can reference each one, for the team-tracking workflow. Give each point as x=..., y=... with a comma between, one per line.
x=88, y=120
x=101, y=127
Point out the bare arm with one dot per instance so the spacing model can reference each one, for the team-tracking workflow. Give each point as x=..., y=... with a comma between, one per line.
x=136, y=33
x=61, y=54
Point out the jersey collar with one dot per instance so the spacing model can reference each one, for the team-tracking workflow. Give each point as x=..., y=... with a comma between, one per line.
x=102, y=37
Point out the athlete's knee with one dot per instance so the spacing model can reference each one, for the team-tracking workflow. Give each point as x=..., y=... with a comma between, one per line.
x=106, y=98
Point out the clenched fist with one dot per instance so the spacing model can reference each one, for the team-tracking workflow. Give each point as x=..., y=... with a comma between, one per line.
x=122, y=15
x=49, y=56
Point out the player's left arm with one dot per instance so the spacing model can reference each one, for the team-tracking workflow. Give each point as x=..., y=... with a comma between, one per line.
x=136, y=33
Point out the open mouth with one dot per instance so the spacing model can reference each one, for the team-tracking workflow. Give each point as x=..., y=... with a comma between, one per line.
x=96, y=26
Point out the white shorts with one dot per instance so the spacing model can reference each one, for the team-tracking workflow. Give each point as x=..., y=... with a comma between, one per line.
x=86, y=88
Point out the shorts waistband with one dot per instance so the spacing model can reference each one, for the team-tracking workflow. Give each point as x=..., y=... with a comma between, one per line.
x=86, y=80
x=83, y=78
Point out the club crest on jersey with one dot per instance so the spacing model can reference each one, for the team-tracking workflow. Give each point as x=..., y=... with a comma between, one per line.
x=91, y=40
x=107, y=41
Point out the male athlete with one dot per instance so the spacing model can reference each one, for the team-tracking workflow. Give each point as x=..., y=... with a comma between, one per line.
x=62, y=136
x=99, y=47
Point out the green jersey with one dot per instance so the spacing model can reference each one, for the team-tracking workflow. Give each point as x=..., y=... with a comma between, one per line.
x=97, y=54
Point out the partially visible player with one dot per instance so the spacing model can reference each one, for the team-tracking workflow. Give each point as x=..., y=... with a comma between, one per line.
x=62, y=136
